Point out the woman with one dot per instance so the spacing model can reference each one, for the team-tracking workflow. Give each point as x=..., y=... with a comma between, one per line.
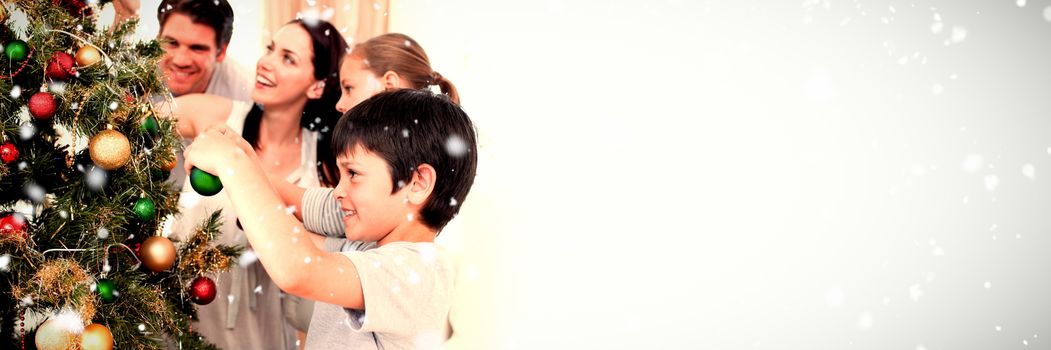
x=294, y=93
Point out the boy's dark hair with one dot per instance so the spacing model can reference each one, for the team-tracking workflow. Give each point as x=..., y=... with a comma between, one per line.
x=216, y=14
x=408, y=128
x=318, y=114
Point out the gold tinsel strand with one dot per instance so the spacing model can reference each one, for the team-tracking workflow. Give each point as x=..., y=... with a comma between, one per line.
x=59, y=278
x=202, y=257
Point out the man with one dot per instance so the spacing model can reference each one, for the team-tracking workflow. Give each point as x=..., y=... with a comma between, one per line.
x=195, y=35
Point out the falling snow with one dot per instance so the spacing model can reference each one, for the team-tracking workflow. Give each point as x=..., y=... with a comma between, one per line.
x=959, y=34
x=5, y=260
x=915, y=292
x=987, y=285
x=35, y=192
x=1047, y=13
x=26, y=131
x=455, y=146
x=247, y=258
x=16, y=91
x=1029, y=171
x=103, y=233
x=973, y=163
x=991, y=182
x=96, y=178
x=865, y=321
x=1020, y=3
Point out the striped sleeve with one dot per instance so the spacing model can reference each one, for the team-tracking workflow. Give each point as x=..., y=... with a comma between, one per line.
x=321, y=213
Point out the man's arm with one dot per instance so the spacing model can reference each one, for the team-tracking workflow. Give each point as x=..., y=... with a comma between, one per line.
x=124, y=10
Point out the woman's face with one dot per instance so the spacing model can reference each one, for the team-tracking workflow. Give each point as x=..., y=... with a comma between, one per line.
x=357, y=83
x=286, y=71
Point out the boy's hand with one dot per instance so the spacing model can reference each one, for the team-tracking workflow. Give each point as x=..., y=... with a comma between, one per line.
x=216, y=149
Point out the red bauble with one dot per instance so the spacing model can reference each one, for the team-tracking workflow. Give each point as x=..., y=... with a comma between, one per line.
x=60, y=67
x=8, y=153
x=42, y=105
x=202, y=290
x=12, y=223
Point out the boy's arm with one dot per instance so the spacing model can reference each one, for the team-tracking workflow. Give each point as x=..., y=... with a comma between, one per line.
x=287, y=252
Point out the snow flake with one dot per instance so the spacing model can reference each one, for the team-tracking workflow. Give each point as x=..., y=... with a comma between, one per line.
x=35, y=192
x=16, y=91
x=1047, y=13
x=1020, y=3
x=247, y=258
x=103, y=233
x=937, y=89
x=142, y=327
x=409, y=217
x=973, y=162
x=306, y=260
x=865, y=321
x=258, y=290
x=455, y=146
x=96, y=178
x=998, y=328
x=113, y=105
x=991, y=182
x=959, y=34
x=936, y=27
x=70, y=321
x=915, y=292
x=5, y=261
x=1029, y=171
x=453, y=202
x=405, y=133
x=27, y=131
x=987, y=285
x=230, y=298
x=414, y=278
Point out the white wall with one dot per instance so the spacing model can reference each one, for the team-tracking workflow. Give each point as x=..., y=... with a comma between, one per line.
x=762, y=174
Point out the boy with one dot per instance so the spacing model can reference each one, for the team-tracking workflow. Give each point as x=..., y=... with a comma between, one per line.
x=407, y=160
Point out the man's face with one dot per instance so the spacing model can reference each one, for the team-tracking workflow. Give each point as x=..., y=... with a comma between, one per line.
x=190, y=56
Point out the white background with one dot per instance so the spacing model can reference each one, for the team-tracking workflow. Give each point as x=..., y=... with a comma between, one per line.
x=760, y=174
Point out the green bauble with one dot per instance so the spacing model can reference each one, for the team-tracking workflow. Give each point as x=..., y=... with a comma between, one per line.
x=144, y=209
x=107, y=290
x=204, y=183
x=150, y=126
x=16, y=50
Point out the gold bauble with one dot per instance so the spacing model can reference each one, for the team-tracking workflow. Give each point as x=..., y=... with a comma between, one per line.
x=96, y=337
x=109, y=149
x=157, y=253
x=51, y=335
x=87, y=55
x=169, y=164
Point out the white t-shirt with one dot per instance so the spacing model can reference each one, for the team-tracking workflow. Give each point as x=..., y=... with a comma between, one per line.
x=408, y=288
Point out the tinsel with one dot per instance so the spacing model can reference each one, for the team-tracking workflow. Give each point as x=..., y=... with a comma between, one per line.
x=81, y=232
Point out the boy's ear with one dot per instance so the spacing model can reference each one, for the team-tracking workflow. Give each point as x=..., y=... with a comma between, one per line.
x=391, y=80
x=422, y=184
x=316, y=90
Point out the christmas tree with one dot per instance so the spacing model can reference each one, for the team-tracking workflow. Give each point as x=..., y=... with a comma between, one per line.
x=83, y=191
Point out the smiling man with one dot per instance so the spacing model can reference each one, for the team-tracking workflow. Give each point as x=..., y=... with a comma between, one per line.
x=196, y=35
